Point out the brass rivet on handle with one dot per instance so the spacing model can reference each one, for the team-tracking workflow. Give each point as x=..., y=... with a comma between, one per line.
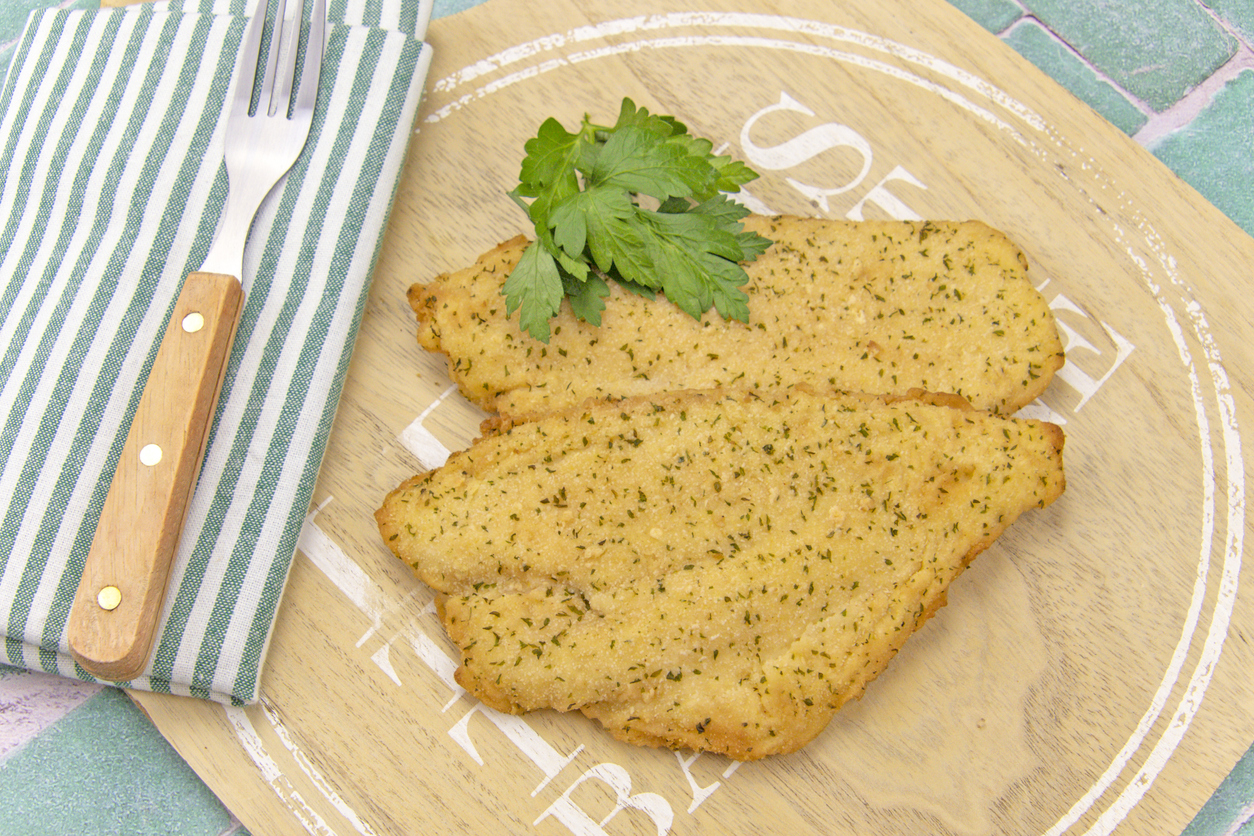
x=193, y=322
x=109, y=597
x=150, y=455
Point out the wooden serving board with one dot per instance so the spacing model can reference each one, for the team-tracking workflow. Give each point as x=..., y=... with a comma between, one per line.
x=1091, y=673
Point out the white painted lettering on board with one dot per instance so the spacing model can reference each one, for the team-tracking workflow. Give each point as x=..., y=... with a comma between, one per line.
x=1087, y=369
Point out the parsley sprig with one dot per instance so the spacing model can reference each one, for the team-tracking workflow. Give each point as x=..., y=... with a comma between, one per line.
x=643, y=203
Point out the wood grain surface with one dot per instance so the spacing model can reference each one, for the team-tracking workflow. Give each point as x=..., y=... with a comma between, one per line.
x=1091, y=672
x=117, y=607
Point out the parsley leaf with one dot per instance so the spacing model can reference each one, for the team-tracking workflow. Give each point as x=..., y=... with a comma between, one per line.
x=586, y=298
x=588, y=195
x=535, y=290
x=696, y=261
x=634, y=160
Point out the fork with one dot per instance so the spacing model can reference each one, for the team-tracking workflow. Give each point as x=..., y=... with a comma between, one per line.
x=263, y=142
x=119, y=600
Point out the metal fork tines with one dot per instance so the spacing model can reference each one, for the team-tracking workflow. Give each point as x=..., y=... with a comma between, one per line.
x=116, y=609
x=264, y=137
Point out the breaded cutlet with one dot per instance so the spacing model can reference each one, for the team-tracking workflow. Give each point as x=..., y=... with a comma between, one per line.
x=876, y=306
x=715, y=570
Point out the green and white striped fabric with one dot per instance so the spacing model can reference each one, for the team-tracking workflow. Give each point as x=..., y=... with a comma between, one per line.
x=111, y=188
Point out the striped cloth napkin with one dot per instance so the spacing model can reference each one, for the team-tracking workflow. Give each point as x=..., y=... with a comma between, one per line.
x=111, y=188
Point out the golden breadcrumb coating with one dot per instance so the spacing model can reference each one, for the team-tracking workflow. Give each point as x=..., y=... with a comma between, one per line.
x=717, y=570
x=872, y=306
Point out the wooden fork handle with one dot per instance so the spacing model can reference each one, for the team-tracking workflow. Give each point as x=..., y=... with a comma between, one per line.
x=118, y=604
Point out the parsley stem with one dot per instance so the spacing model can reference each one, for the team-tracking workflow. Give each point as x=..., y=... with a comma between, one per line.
x=517, y=198
x=640, y=202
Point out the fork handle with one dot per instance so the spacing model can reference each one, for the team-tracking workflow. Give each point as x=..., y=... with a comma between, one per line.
x=119, y=601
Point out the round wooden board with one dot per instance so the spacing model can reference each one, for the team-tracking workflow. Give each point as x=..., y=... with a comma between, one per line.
x=1091, y=672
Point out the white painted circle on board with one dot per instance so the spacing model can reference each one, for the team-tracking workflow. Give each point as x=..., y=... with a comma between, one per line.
x=1003, y=112
x=1183, y=316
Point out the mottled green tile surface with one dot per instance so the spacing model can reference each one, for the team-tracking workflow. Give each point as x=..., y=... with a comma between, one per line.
x=1062, y=64
x=13, y=14
x=92, y=763
x=993, y=15
x=444, y=8
x=1215, y=152
x=1230, y=812
x=1156, y=49
x=1239, y=14
x=101, y=769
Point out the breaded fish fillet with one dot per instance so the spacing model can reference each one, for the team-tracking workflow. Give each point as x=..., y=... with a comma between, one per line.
x=880, y=307
x=713, y=570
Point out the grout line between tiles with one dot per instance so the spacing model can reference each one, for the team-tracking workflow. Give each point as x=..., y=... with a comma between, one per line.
x=1186, y=109
x=1183, y=112
x=1132, y=98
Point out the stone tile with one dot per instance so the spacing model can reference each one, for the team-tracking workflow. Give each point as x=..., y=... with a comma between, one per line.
x=13, y=14
x=994, y=15
x=1058, y=61
x=1157, y=50
x=1239, y=14
x=1214, y=153
x=1229, y=810
x=444, y=8
x=32, y=702
x=104, y=768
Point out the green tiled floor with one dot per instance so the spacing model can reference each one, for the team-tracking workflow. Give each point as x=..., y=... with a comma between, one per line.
x=1178, y=75
x=13, y=14
x=1045, y=50
x=1174, y=74
x=994, y=15
x=1213, y=152
x=1237, y=13
x=1127, y=42
x=1230, y=803
x=139, y=786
